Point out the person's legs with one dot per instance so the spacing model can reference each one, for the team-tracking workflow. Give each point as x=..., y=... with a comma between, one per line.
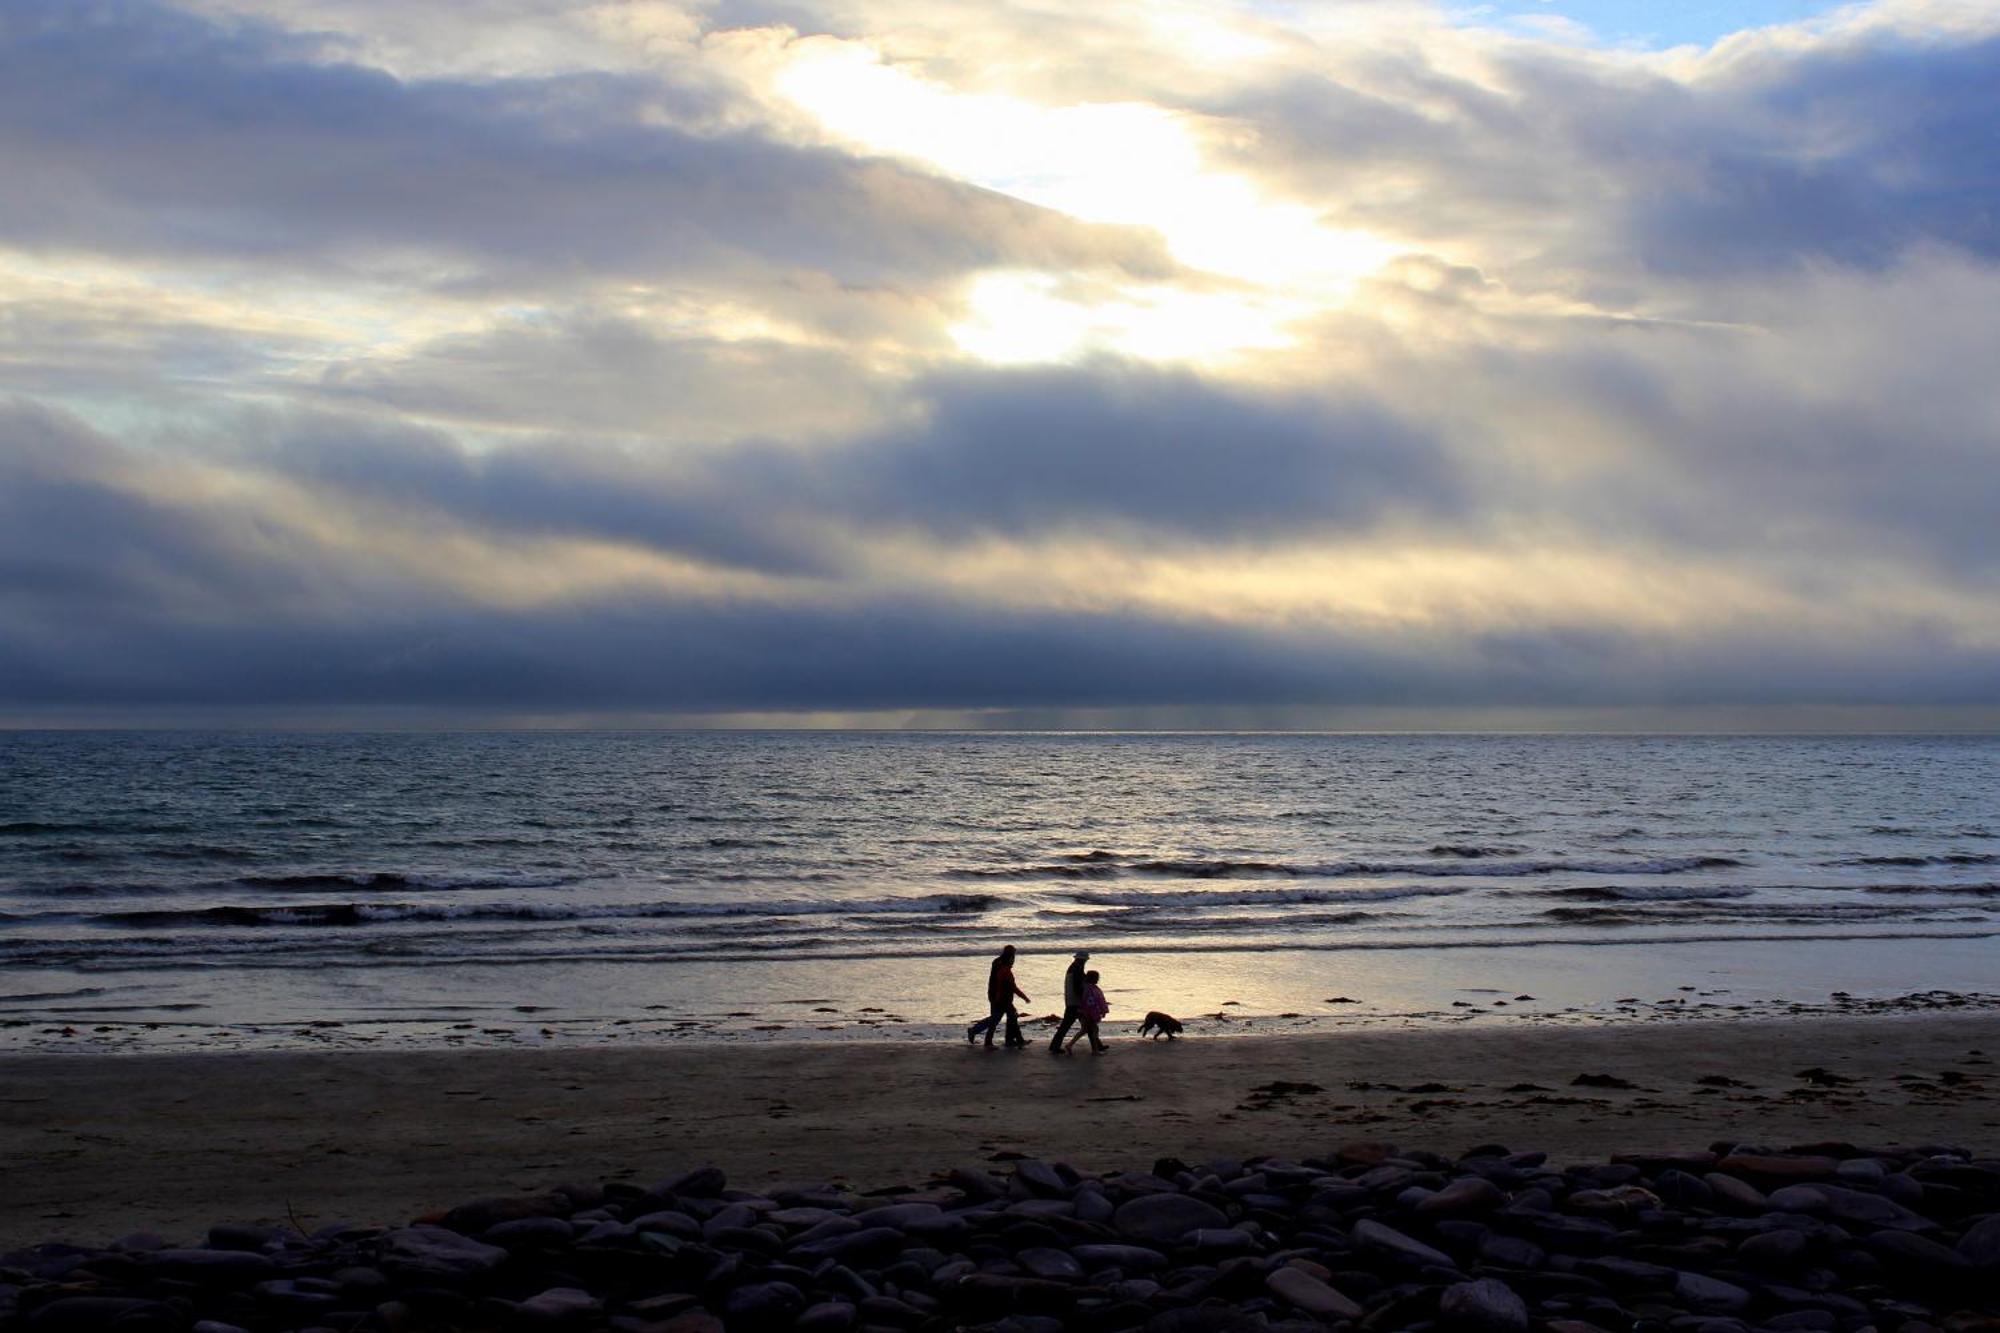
x=1090, y=1031
x=1062, y=1030
x=984, y=1025
x=1014, y=1026
x=991, y=1023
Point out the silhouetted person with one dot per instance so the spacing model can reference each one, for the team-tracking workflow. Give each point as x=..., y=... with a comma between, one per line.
x=1000, y=992
x=1073, y=984
x=1095, y=1007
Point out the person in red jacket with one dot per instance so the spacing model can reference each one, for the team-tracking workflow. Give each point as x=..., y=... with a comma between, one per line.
x=1000, y=993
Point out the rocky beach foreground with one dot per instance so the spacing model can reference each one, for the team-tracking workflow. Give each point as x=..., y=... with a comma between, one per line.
x=1821, y=1237
x=1707, y=1177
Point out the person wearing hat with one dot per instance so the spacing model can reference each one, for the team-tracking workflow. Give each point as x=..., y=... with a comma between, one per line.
x=1073, y=993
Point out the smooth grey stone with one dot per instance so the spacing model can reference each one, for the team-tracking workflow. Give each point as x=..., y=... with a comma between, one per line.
x=1486, y=1306
x=1130, y=1258
x=1042, y=1208
x=1166, y=1217
x=1981, y=1242
x=761, y=1305
x=668, y=1222
x=219, y=1267
x=1861, y=1171
x=1733, y=1195
x=1902, y=1247
x=561, y=1303
x=433, y=1252
x=800, y=1217
x=826, y=1317
x=1211, y=1242
x=1204, y=1319
x=1301, y=1289
x=90, y=1314
x=1370, y=1234
x=1468, y=1194
x=1041, y=1178
x=1773, y=1251
x=704, y=1182
x=530, y=1233
x=470, y=1219
x=833, y=1226
x=1092, y=1206
x=1847, y=1205
x=1042, y=1261
x=1680, y=1189
x=862, y=1246
x=243, y=1236
x=729, y=1215
x=1710, y=1295
x=1512, y=1252
x=904, y=1216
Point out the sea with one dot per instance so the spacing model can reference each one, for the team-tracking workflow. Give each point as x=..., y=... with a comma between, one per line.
x=168, y=890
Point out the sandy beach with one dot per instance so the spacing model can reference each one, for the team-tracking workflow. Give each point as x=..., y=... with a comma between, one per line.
x=93, y=1147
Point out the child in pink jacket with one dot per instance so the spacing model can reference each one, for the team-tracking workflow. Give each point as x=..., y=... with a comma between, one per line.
x=1095, y=1007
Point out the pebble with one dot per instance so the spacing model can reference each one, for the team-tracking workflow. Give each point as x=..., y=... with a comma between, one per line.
x=1310, y=1294
x=1166, y=1217
x=1485, y=1306
x=1374, y=1236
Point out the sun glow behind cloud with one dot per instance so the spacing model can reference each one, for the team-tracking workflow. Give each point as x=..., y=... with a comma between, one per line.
x=1272, y=261
x=1000, y=342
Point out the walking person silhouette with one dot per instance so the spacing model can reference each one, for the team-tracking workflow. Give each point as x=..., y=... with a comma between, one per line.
x=1000, y=992
x=1073, y=993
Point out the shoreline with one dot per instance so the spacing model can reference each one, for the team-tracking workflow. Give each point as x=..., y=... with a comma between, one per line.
x=96, y=1146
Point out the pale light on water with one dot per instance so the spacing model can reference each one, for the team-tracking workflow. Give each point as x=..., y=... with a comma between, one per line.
x=689, y=883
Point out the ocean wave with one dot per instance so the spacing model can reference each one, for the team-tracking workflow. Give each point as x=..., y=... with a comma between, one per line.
x=1288, y=921
x=1160, y=901
x=1631, y=913
x=36, y=828
x=1942, y=859
x=1107, y=866
x=1077, y=870
x=1473, y=851
x=1987, y=890
x=251, y=915
x=394, y=881
x=1612, y=893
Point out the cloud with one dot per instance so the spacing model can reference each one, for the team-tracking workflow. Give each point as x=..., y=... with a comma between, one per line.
x=354, y=369
x=157, y=134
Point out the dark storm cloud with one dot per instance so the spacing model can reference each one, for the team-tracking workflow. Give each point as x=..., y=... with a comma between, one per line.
x=1847, y=151
x=1110, y=447
x=152, y=133
x=1032, y=450
x=1850, y=154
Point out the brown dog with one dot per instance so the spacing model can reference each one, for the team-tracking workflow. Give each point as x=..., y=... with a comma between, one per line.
x=1160, y=1025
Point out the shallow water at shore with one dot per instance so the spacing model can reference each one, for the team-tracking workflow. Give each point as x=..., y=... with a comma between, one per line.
x=185, y=889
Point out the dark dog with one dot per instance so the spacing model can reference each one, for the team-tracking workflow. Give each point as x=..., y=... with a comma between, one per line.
x=1160, y=1025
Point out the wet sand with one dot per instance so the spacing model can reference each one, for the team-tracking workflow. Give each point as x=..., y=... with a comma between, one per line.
x=96, y=1146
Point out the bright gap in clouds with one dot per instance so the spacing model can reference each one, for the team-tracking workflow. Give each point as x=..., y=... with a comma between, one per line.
x=1121, y=163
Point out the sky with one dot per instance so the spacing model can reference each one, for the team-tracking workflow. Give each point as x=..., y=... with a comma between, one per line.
x=1293, y=363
